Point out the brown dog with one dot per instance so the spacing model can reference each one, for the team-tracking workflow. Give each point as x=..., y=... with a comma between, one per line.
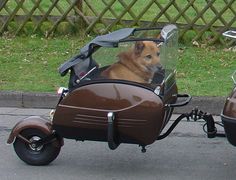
x=138, y=64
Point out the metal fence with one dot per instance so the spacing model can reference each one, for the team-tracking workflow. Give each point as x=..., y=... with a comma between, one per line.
x=197, y=19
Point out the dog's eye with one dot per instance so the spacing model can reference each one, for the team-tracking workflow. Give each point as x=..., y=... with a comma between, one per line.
x=158, y=54
x=148, y=57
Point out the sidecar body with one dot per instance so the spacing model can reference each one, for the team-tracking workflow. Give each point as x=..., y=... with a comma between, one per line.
x=229, y=115
x=229, y=111
x=96, y=108
x=121, y=111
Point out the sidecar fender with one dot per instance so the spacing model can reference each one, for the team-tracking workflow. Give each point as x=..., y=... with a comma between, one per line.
x=33, y=122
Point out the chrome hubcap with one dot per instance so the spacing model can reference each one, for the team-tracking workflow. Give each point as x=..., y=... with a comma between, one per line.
x=33, y=146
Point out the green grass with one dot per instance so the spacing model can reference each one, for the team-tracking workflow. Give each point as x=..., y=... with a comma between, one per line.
x=206, y=71
x=31, y=64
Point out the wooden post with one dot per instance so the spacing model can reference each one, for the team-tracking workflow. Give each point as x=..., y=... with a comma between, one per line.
x=80, y=5
x=79, y=21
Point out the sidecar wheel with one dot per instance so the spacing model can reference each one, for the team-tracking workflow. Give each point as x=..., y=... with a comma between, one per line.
x=36, y=156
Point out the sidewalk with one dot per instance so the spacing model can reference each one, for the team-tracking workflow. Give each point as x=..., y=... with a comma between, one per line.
x=24, y=112
x=213, y=105
x=27, y=100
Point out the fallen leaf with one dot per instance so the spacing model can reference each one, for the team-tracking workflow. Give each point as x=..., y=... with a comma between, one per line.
x=195, y=43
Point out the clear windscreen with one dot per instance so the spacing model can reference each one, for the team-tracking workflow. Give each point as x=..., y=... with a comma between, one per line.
x=146, y=55
x=142, y=58
x=234, y=77
x=169, y=51
x=108, y=56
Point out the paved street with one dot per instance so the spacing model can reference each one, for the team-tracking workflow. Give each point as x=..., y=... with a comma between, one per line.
x=185, y=154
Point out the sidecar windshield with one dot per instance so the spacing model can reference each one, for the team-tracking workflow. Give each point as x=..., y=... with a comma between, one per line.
x=169, y=49
x=166, y=39
x=231, y=34
x=234, y=77
x=105, y=50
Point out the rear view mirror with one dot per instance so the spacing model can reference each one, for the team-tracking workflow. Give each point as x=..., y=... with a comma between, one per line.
x=231, y=34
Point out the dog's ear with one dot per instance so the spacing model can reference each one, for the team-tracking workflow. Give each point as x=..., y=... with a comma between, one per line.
x=138, y=48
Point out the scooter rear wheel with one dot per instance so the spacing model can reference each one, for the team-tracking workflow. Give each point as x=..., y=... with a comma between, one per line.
x=37, y=156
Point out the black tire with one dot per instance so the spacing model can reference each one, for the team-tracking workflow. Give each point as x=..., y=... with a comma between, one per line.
x=35, y=156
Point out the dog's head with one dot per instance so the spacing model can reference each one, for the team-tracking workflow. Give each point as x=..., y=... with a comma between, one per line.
x=147, y=54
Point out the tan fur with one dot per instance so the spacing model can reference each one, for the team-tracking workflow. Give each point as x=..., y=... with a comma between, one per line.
x=138, y=64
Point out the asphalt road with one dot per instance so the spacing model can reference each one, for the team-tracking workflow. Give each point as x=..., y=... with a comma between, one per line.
x=185, y=154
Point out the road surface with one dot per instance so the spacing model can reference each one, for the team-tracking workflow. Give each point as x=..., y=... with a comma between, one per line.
x=185, y=154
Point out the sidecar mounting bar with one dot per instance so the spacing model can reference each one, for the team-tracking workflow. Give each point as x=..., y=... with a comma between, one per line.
x=162, y=136
x=195, y=115
x=211, y=130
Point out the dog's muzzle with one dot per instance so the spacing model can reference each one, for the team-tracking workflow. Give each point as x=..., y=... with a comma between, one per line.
x=156, y=68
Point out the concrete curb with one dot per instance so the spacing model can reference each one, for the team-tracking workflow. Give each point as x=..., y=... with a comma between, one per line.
x=28, y=100
x=213, y=105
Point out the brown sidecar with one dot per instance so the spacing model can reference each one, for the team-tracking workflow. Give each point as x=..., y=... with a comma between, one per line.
x=99, y=109
x=228, y=115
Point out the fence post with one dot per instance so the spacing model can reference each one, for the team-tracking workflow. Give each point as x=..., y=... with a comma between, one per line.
x=80, y=24
x=80, y=4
